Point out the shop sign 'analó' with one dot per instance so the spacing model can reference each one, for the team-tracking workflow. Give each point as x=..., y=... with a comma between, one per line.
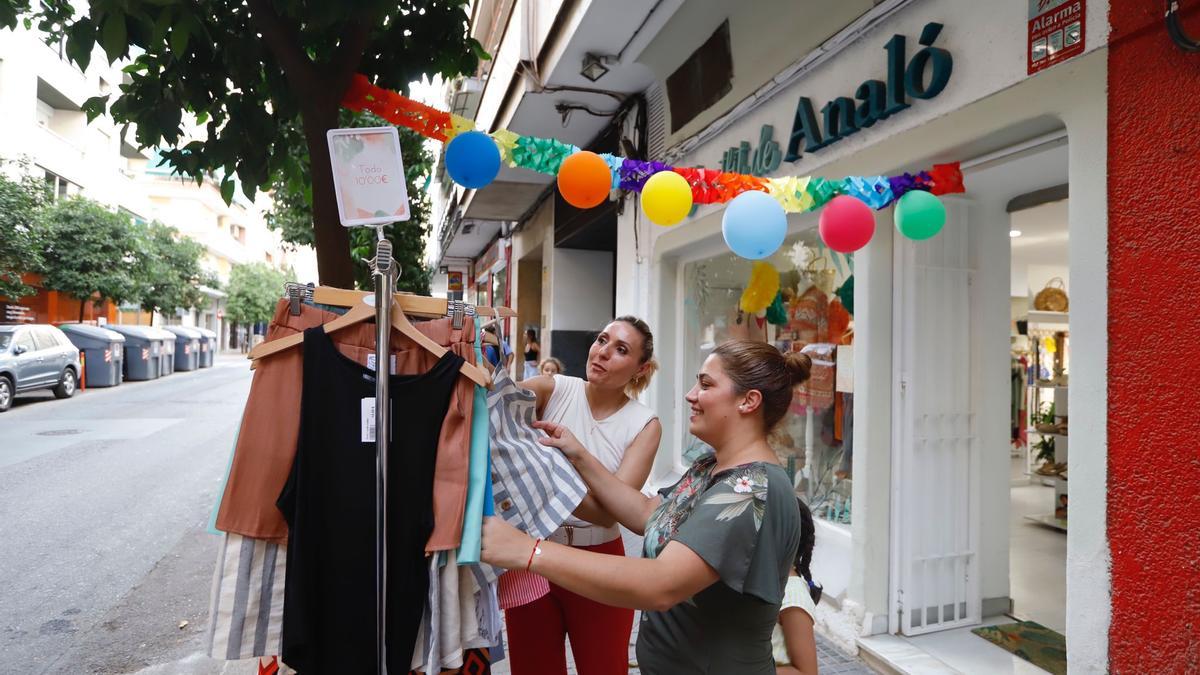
x=922, y=77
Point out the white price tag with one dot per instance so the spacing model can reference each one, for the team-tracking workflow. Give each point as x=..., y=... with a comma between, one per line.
x=368, y=420
x=371, y=362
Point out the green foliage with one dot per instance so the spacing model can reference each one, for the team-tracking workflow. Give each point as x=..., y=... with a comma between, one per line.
x=253, y=290
x=20, y=200
x=89, y=250
x=1045, y=449
x=292, y=211
x=263, y=77
x=169, y=274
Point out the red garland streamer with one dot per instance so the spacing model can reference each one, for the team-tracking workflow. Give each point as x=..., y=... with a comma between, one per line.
x=947, y=179
x=709, y=186
x=397, y=109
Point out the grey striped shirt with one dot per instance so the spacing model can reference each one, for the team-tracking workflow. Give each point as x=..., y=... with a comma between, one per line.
x=535, y=486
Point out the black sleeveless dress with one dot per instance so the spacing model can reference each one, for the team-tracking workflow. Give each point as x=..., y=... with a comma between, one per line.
x=329, y=503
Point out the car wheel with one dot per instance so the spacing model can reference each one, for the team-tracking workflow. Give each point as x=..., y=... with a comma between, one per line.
x=6, y=393
x=66, y=386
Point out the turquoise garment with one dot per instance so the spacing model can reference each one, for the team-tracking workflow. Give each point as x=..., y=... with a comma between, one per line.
x=212, y=519
x=479, y=485
x=489, y=501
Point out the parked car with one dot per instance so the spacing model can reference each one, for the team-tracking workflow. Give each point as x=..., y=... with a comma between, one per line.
x=34, y=356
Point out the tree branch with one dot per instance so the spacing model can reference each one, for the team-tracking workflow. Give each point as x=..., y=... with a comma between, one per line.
x=284, y=43
x=350, y=49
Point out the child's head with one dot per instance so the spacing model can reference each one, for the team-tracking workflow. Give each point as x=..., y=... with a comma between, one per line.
x=551, y=366
x=808, y=538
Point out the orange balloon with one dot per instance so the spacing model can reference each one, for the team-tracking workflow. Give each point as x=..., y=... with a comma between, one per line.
x=584, y=180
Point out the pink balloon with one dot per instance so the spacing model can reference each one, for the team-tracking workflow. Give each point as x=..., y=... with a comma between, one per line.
x=847, y=224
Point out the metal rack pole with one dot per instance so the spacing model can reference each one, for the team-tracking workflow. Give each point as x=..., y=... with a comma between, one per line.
x=384, y=276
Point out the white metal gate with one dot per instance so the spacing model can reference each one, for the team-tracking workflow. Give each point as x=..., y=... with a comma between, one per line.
x=935, y=503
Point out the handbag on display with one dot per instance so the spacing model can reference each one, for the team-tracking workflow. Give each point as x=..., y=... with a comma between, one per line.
x=821, y=274
x=1052, y=298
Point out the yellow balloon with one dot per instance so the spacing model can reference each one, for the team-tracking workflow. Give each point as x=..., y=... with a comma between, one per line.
x=761, y=289
x=666, y=198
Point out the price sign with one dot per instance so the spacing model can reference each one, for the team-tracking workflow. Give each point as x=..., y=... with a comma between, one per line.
x=368, y=175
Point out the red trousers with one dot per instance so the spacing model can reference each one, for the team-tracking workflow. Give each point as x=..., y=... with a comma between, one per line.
x=599, y=633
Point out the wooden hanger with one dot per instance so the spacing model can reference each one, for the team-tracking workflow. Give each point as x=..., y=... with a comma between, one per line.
x=363, y=312
x=412, y=305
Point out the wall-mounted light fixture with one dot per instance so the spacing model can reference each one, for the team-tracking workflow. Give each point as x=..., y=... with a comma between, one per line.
x=593, y=67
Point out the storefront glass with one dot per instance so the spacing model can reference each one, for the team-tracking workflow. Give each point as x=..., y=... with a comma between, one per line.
x=814, y=440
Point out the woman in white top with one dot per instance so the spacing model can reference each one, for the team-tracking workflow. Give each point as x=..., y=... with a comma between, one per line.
x=624, y=435
x=792, y=643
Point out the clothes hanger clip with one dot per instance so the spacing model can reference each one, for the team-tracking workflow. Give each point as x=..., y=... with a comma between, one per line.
x=457, y=313
x=293, y=291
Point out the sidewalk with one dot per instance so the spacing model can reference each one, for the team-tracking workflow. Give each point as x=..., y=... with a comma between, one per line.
x=830, y=661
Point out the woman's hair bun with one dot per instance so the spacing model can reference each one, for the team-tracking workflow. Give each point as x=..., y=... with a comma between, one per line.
x=799, y=365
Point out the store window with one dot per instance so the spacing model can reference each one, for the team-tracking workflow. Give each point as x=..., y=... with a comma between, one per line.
x=813, y=315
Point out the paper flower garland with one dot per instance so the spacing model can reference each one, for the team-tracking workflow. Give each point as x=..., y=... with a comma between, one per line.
x=791, y=193
x=777, y=312
x=507, y=142
x=543, y=155
x=821, y=190
x=794, y=194
x=761, y=289
x=874, y=191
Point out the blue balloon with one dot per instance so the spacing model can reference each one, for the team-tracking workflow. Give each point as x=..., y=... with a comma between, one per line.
x=472, y=159
x=754, y=225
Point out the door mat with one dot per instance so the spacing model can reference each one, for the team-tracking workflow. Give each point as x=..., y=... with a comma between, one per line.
x=1031, y=641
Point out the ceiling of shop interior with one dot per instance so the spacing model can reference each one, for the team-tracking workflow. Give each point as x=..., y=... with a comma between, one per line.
x=1043, y=239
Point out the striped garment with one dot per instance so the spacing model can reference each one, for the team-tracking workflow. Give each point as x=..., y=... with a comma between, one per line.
x=461, y=614
x=519, y=587
x=535, y=486
x=246, y=615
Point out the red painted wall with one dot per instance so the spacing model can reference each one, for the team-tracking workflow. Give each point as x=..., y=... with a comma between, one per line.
x=1154, y=342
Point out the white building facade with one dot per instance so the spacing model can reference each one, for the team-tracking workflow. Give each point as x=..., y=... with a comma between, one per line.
x=42, y=121
x=904, y=450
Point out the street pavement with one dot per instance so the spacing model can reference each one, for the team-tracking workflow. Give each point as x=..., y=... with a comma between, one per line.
x=105, y=500
x=105, y=558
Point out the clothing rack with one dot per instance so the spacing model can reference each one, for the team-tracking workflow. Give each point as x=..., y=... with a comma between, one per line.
x=384, y=269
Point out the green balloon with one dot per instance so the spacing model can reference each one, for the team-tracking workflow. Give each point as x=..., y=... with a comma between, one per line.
x=920, y=215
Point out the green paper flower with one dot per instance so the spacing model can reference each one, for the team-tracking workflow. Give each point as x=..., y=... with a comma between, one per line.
x=543, y=155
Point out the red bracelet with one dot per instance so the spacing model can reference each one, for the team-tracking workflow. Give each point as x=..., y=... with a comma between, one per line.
x=532, y=553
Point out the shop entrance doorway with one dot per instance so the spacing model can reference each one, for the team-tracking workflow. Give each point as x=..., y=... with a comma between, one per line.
x=976, y=538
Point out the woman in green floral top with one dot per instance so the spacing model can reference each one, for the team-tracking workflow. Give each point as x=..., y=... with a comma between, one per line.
x=718, y=544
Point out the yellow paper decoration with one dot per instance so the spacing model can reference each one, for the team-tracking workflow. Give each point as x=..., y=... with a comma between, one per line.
x=506, y=141
x=791, y=192
x=458, y=125
x=761, y=289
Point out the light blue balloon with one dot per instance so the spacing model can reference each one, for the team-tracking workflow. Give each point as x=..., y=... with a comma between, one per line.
x=754, y=225
x=472, y=159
